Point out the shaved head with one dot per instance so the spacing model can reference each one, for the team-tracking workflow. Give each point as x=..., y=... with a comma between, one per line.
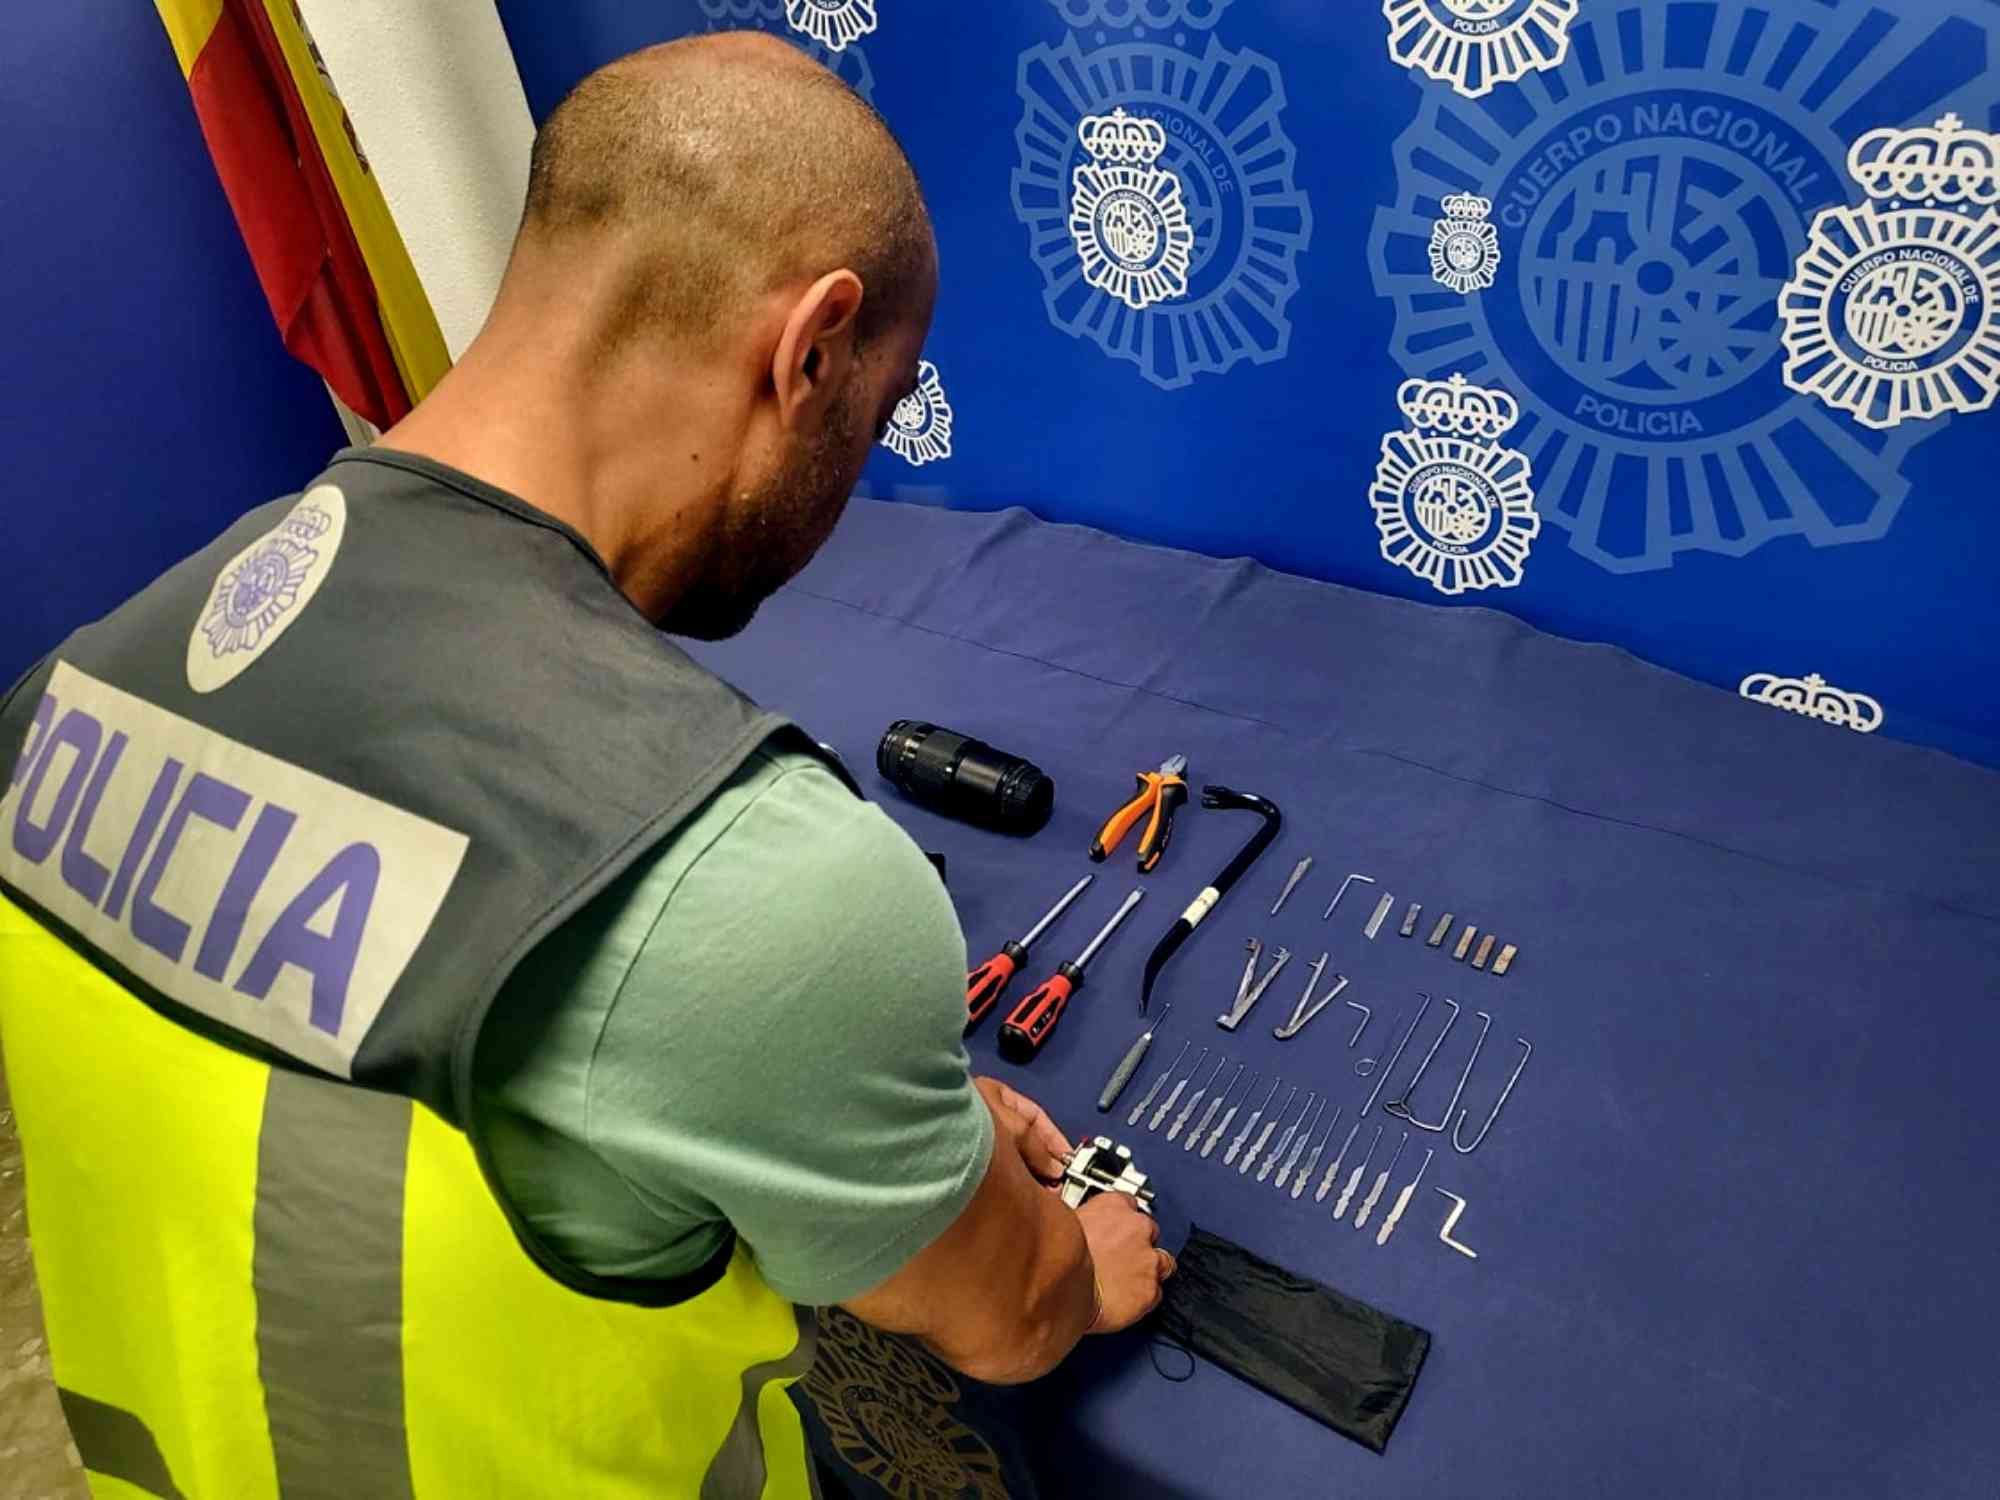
x=731, y=165
x=720, y=291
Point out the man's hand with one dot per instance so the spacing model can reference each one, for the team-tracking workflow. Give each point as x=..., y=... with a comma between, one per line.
x=1124, y=1248
x=1045, y=1149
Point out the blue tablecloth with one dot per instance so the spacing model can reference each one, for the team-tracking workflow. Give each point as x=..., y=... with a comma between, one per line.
x=1738, y=1228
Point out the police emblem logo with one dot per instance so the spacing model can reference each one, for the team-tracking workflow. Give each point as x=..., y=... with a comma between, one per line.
x=1652, y=198
x=1451, y=504
x=1176, y=249
x=1893, y=311
x=1475, y=44
x=264, y=588
x=1465, y=247
x=1126, y=215
x=825, y=30
x=831, y=23
x=920, y=427
x=891, y=1412
x=1812, y=697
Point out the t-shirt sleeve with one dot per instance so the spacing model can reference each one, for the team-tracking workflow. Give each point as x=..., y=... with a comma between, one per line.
x=786, y=1053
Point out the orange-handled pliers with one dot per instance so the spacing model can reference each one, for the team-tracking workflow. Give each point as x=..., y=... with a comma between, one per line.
x=1160, y=793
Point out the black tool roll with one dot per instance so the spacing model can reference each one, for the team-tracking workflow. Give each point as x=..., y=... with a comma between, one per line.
x=1341, y=1362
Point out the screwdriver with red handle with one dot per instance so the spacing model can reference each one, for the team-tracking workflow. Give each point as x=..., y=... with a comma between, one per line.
x=984, y=984
x=1023, y=1032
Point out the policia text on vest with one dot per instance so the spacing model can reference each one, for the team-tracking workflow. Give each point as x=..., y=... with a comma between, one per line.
x=231, y=891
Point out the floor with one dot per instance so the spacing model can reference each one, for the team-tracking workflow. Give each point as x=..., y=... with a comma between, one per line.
x=35, y=1452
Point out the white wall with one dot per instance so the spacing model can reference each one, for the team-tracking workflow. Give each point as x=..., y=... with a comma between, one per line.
x=437, y=104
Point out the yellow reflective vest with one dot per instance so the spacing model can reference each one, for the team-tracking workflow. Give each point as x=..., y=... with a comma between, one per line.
x=260, y=1283
x=273, y=834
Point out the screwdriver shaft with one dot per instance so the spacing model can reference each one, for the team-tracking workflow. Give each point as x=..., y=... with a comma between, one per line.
x=1110, y=927
x=1055, y=911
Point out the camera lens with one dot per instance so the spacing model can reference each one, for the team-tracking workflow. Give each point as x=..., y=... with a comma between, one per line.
x=964, y=778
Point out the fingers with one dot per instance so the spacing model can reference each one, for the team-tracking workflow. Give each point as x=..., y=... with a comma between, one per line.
x=1043, y=1147
x=1168, y=1265
x=1052, y=1140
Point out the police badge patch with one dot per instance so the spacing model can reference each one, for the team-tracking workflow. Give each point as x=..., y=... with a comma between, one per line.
x=1465, y=247
x=1177, y=248
x=1474, y=44
x=920, y=427
x=1452, y=505
x=1893, y=312
x=1652, y=195
x=263, y=588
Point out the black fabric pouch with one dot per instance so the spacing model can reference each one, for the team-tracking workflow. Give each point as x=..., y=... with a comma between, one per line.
x=1341, y=1362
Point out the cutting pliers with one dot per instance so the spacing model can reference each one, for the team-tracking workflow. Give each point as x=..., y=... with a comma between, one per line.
x=1160, y=793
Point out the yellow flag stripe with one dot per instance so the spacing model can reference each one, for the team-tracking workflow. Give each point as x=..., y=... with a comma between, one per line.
x=189, y=24
x=415, y=341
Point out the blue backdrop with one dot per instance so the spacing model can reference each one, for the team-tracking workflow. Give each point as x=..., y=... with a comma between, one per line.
x=149, y=399
x=1726, y=395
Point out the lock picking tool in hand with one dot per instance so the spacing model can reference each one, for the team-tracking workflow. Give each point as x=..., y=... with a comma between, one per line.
x=1099, y=1166
x=1161, y=793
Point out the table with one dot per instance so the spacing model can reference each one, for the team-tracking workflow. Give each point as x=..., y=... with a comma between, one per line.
x=1738, y=1227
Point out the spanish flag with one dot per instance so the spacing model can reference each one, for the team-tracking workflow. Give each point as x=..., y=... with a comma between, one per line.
x=332, y=265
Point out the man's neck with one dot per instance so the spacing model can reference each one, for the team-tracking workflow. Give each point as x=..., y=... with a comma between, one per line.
x=582, y=441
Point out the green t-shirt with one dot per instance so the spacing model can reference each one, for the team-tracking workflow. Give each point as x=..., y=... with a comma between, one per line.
x=756, y=1028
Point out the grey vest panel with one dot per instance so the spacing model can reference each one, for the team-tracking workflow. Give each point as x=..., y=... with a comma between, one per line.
x=465, y=659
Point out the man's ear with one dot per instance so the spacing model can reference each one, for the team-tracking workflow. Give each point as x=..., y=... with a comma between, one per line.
x=815, y=351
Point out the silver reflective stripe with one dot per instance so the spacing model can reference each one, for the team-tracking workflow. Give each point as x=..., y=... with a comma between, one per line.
x=328, y=1271
x=116, y=1443
x=738, y=1470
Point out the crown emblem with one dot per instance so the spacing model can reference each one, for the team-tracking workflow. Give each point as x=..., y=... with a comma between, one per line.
x=307, y=523
x=1939, y=164
x=1812, y=697
x=1454, y=406
x=1467, y=206
x=1123, y=138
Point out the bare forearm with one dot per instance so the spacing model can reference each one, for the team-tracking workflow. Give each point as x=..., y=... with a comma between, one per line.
x=1057, y=1303
x=1008, y=1290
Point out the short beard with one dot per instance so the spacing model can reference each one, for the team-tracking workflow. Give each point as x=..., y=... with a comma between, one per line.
x=770, y=533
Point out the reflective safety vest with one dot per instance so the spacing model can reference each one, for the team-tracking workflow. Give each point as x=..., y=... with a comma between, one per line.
x=277, y=832
x=263, y=1284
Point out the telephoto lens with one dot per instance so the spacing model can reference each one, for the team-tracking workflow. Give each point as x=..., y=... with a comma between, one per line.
x=965, y=778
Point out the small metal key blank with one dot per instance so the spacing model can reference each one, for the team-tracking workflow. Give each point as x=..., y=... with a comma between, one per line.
x=1438, y=932
x=1505, y=961
x=1382, y=909
x=1485, y=951
x=1464, y=943
x=1410, y=918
